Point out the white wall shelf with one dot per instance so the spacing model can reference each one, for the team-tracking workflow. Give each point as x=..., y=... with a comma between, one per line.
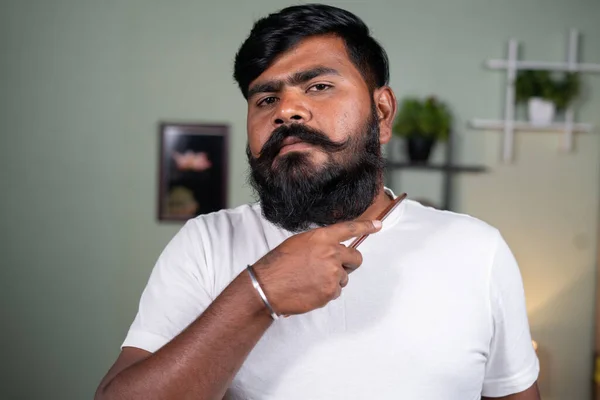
x=543, y=65
x=526, y=126
x=509, y=125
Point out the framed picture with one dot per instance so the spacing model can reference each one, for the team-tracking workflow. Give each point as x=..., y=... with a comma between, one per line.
x=193, y=170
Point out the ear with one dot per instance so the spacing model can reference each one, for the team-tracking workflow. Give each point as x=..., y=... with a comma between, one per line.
x=386, y=106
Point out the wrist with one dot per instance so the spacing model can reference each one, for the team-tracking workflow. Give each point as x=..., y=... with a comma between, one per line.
x=257, y=286
x=253, y=303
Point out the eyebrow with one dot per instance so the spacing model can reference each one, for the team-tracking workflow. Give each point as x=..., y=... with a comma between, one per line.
x=293, y=80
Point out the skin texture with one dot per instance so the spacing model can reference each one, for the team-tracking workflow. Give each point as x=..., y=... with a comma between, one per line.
x=201, y=362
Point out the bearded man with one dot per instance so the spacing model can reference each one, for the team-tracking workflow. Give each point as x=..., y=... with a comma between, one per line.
x=256, y=302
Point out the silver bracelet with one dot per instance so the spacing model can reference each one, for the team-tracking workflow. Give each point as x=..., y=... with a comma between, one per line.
x=261, y=293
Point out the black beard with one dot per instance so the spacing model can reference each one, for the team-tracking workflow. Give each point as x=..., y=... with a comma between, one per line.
x=295, y=194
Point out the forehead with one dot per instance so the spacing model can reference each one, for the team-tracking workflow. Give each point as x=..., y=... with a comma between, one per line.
x=323, y=51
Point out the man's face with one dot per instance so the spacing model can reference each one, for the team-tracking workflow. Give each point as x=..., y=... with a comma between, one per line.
x=313, y=137
x=336, y=101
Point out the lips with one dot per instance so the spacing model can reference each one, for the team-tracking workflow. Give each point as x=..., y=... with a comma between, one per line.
x=291, y=140
x=293, y=143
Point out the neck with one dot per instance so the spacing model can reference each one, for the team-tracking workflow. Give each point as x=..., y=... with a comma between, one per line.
x=382, y=200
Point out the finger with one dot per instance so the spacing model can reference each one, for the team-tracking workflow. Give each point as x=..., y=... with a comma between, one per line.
x=338, y=293
x=344, y=279
x=347, y=230
x=350, y=258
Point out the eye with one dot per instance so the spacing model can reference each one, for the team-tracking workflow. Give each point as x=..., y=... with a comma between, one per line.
x=267, y=101
x=319, y=87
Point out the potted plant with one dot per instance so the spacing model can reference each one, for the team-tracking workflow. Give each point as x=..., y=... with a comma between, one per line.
x=422, y=123
x=545, y=93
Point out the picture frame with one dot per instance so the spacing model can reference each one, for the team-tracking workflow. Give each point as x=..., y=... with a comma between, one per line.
x=193, y=164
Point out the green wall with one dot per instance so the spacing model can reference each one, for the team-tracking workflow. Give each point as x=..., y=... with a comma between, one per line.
x=83, y=85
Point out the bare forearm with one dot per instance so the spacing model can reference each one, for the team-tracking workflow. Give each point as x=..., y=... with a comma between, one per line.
x=201, y=362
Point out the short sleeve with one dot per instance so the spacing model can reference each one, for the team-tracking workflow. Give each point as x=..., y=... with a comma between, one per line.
x=177, y=292
x=512, y=365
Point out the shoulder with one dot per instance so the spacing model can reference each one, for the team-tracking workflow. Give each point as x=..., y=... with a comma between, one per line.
x=217, y=227
x=225, y=235
x=439, y=219
x=246, y=216
x=209, y=240
x=450, y=226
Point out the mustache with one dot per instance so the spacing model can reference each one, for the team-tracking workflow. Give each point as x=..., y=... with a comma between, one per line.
x=305, y=134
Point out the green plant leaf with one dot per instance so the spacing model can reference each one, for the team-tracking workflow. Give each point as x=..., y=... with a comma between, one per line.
x=429, y=117
x=561, y=91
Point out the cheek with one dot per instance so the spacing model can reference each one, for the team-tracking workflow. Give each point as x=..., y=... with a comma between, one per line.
x=347, y=120
x=257, y=136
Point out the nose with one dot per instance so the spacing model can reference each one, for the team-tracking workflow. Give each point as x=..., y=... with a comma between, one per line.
x=291, y=110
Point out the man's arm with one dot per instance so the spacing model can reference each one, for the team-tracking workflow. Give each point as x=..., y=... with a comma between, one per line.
x=305, y=272
x=532, y=393
x=201, y=361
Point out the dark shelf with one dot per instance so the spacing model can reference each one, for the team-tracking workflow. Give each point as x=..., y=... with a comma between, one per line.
x=446, y=168
x=436, y=167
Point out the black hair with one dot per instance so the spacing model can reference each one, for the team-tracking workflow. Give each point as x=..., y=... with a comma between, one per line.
x=279, y=32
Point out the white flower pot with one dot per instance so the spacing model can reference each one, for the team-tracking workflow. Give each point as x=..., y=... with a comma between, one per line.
x=541, y=112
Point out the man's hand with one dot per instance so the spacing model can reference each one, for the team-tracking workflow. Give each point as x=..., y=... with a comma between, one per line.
x=310, y=269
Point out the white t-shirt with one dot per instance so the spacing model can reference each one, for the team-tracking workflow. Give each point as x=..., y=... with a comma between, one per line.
x=436, y=311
